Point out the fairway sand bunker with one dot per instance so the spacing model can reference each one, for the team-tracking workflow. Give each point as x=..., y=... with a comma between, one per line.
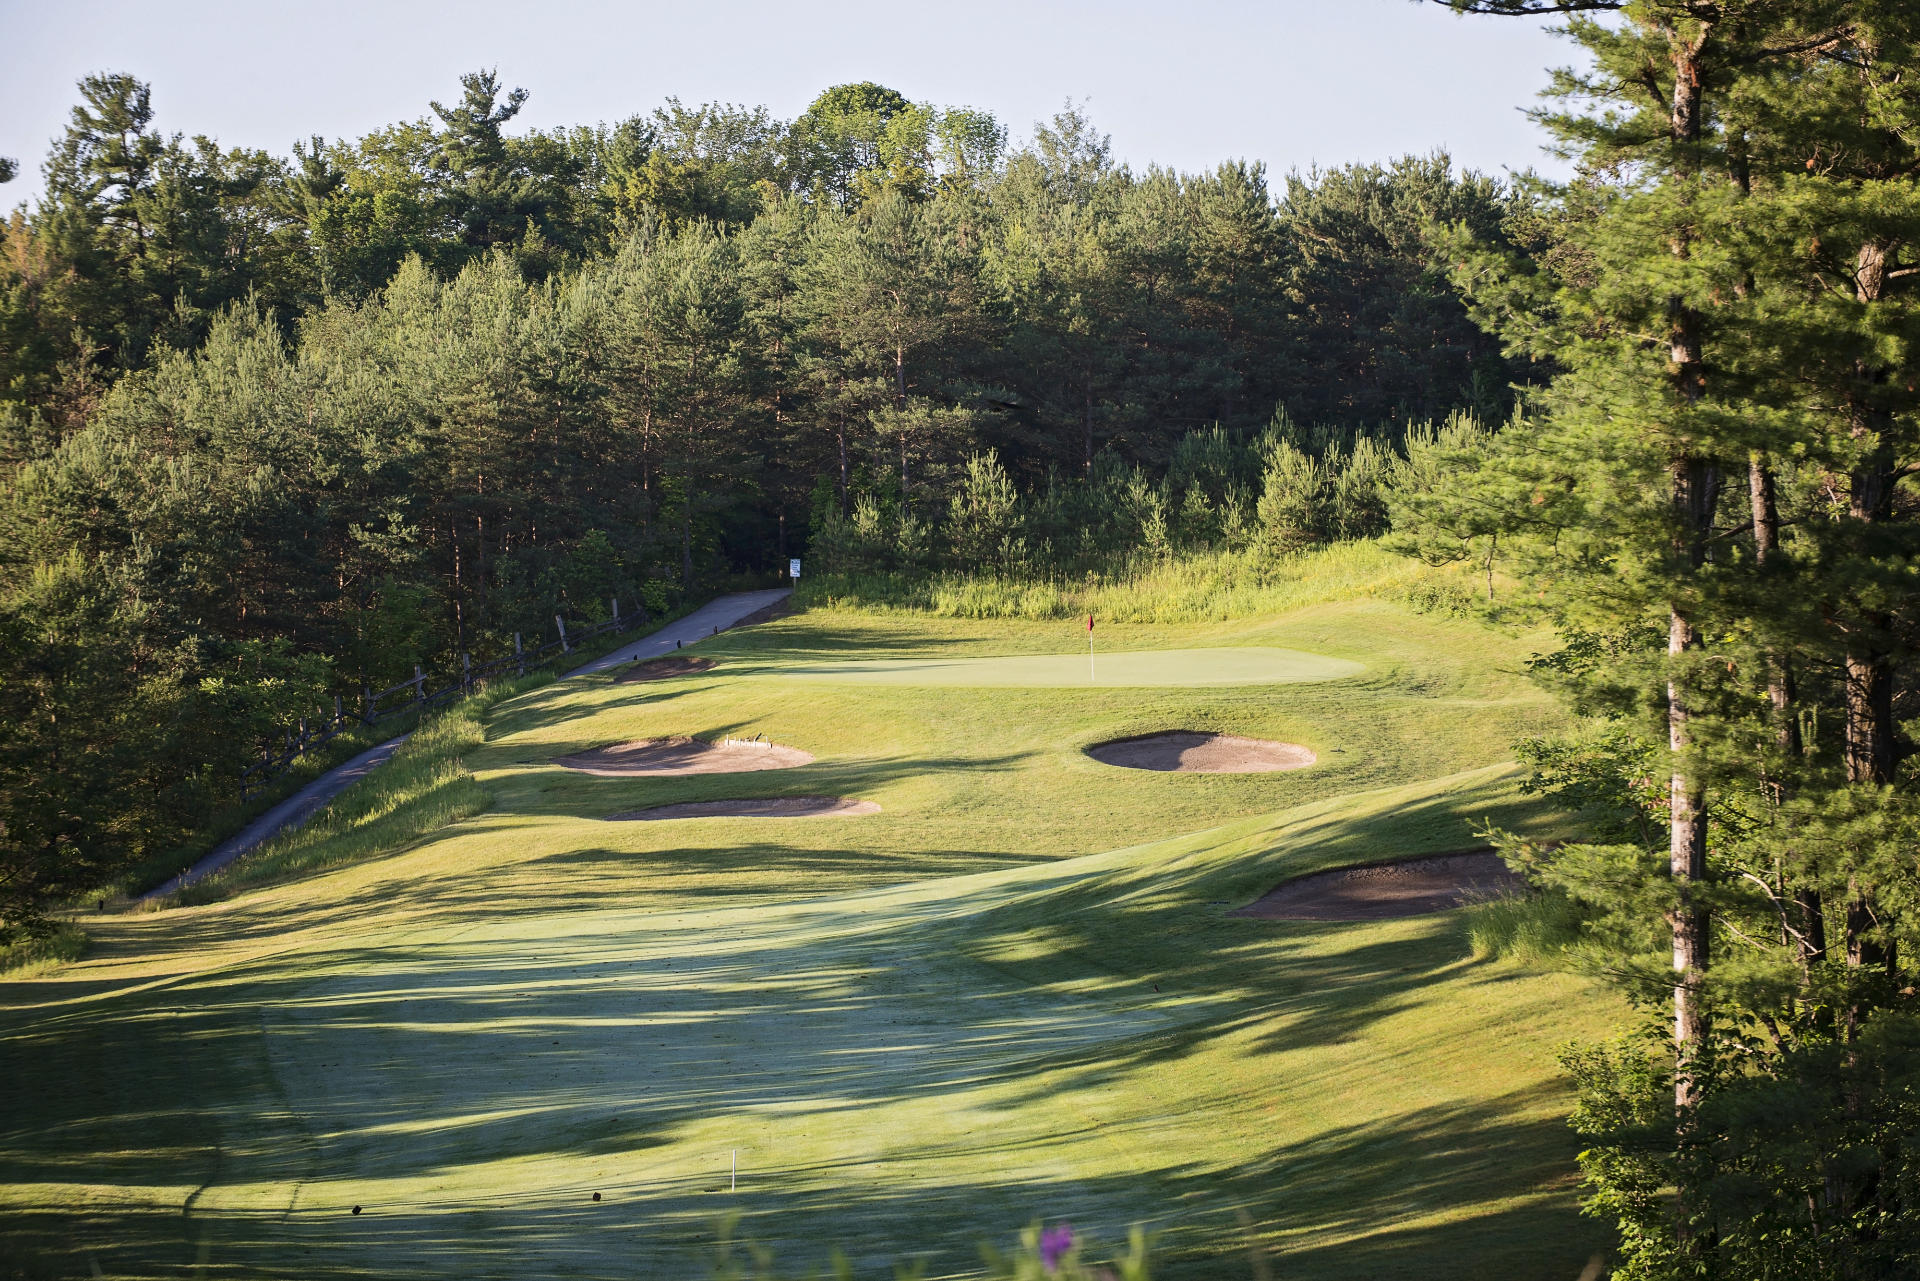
x=1189, y=752
x=666, y=757
x=659, y=669
x=1385, y=890
x=768, y=807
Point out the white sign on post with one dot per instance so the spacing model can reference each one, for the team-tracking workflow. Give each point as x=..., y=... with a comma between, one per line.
x=793, y=569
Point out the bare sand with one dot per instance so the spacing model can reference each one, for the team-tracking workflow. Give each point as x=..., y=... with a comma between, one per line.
x=1191, y=752
x=1379, y=891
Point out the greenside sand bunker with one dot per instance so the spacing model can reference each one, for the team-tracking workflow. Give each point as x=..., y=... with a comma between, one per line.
x=1381, y=891
x=1191, y=752
x=1236, y=665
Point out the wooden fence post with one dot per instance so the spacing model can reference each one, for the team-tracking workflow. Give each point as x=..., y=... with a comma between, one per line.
x=466, y=671
x=339, y=713
x=366, y=703
x=616, y=613
x=419, y=686
x=561, y=623
x=519, y=655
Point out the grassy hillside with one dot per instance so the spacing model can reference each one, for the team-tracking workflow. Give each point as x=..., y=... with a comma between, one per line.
x=1015, y=992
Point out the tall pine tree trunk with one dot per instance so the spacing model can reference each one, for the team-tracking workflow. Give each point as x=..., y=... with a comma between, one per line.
x=1086, y=426
x=840, y=438
x=1810, y=930
x=1695, y=484
x=1869, y=748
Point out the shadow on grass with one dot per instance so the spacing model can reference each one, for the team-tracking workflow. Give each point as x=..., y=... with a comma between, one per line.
x=241, y=1112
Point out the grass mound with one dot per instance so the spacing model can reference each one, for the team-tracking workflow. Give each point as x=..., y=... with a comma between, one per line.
x=1010, y=994
x=765, y=807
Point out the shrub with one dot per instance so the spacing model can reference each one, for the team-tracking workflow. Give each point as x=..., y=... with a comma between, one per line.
x=1535, y=927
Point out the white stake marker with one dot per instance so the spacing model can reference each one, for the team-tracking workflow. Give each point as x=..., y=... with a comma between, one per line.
x=733, y=1175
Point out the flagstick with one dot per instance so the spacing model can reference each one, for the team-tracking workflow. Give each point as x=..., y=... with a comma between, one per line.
x=1091, y=679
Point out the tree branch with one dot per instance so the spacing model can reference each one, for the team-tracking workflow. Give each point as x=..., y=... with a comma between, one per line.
x=1526, y=8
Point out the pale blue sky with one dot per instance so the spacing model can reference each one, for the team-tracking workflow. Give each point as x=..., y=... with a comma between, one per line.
x=1290, y=82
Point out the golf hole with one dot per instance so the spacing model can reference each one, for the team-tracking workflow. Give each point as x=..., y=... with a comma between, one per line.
x=1196, y=752
x=665, y=757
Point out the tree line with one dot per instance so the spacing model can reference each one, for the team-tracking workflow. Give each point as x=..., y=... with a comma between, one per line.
x=1715, y=502
x=274, y=429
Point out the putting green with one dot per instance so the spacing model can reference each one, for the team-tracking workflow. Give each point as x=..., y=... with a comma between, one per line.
x=1248, y=665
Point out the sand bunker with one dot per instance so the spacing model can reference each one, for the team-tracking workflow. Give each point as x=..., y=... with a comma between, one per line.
x=1386, y=890
x=1189, y=752
x=769, y=807
x=670, y=756
x=659, y=669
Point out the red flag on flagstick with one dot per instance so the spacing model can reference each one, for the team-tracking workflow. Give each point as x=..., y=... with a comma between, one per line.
x=1089, y=622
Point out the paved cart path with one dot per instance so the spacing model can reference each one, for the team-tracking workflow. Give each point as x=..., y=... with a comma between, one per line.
x=715, y=616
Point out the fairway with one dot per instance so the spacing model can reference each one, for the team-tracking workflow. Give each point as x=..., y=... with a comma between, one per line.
x=1016, y=990
x=1251, y=665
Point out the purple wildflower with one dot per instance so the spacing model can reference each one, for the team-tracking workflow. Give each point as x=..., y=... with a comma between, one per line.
x=1054, y=1244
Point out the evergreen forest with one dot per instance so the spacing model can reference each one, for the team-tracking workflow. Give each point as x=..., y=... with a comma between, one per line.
x=278, y=429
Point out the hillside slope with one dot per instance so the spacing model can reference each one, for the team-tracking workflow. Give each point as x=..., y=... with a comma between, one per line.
x=1012, y=993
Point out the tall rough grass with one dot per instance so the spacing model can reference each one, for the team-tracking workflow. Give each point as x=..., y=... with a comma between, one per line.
x=31, y=956
x=425, y=786
x=1204, y=587
x=1536, y=928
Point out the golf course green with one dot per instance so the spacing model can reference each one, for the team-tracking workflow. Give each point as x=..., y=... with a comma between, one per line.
x=1014, y=992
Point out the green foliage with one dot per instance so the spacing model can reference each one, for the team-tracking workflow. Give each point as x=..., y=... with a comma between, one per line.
x=1184, y=589
x=1376, y=308
x=62, y=942
x=423, y=787
x=984, y=525
x=1294, y=509
x=1432, y=513
x=115, y=745
x=1535, y=928
x=1713, y=500
x=1061, y=1253
x=308, y=422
